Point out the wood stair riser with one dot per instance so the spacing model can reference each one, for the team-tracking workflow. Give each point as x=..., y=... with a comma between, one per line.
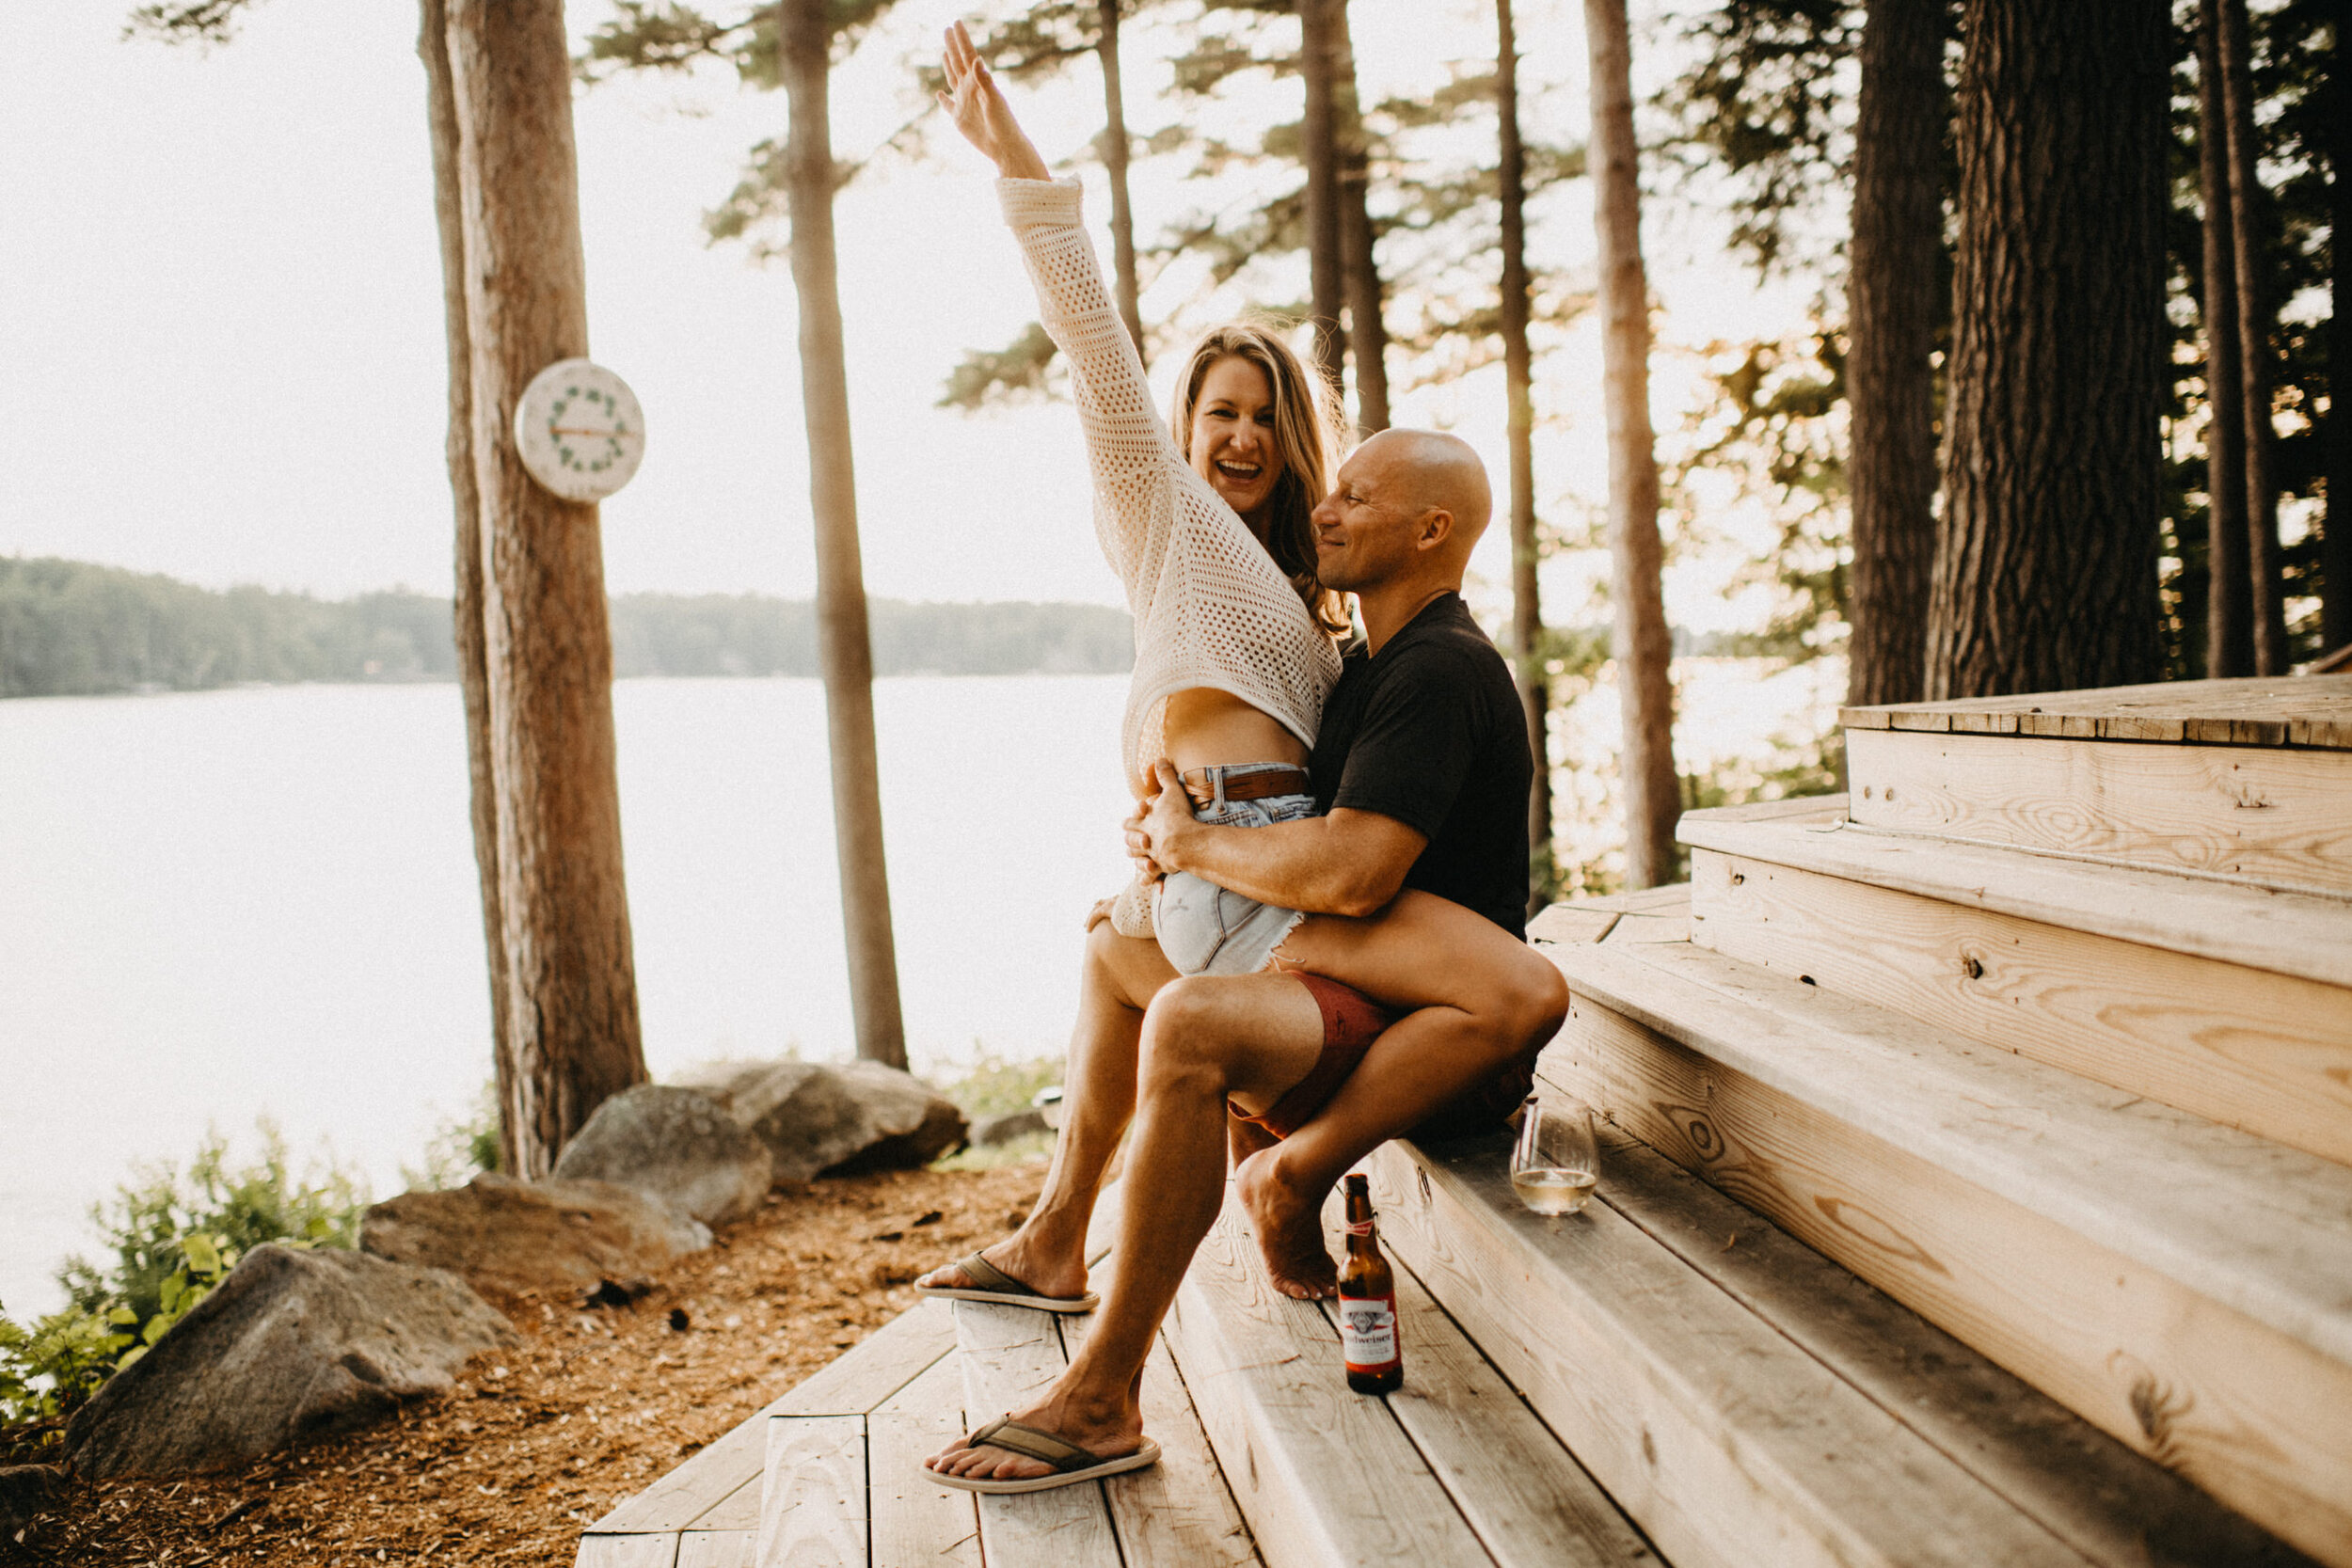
x=2270, y=1053
x=2282, y=816
x=2260, y=1422
x=1724, y=1444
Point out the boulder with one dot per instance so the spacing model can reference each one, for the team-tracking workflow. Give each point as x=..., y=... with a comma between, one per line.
x=836, y=1118
x=677, y=1145
x=26, y=1491
x=291, y=1345
x=990, y=1131
x=552, y=1237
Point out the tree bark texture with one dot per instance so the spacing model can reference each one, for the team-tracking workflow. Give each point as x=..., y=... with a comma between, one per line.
x=1319, y=151
x=1518, y=376
x=2045, y=570
x=2335, y=556
x=473, y=680
x=572, y=1028
x=1115, y=150
x=1360, y=265
x=1891, y=306
x=2266, y=604
x=2229, y=632
x=1639, y=640
x=844, y=647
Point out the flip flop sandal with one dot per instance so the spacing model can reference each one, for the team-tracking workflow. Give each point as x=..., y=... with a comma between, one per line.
x=1071, y=1463
x=994, y=1285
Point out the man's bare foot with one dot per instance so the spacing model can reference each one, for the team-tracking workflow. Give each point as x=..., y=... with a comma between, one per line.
x=1059, y=1272
x=1110, y=1431
x=1288, y=1226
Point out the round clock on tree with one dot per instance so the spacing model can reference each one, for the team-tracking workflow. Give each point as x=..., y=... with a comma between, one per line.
x=578, y=429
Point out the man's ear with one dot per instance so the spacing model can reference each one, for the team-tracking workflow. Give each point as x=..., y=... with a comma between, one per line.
x=1435, y=527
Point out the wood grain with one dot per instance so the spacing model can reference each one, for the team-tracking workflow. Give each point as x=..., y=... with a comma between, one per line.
x=2109, y=1503
x=1010, y=1356
x=2278, y=816
x=1323, y=1476
x=2302, y=711
x=815, y=1513
x=915, y=1522
x=648, y=1549
x=877, y=1367
x=2260, y=1419
x=2265, y=1053
x=1724, y=1442
x=717, y=1548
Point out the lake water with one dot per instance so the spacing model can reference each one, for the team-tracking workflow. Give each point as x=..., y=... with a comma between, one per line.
x=217, y=906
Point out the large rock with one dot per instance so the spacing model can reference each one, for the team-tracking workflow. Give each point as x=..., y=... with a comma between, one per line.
x=290, y=1346
x=836, y=1118
x=678, y=1145
x=514, y=1237
x=26, y=1492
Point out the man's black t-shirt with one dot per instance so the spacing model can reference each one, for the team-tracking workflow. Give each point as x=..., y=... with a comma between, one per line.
x=1430, y=732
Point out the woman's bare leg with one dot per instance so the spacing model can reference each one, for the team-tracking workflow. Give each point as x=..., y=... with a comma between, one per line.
x=1048, y=1253
x=1476, y=998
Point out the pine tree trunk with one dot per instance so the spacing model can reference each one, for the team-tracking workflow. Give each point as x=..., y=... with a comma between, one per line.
x=1318, y=150
x=1115, y=147
x=2045, y=569
x=844, y=648
x=1367, y=332
x=1891, y=304
x=1518, y=376
x=2267, y=608
x=1640, y=642
x=2229, y=632
x=2335, y=539
x=572, y=1030
x=473, y=680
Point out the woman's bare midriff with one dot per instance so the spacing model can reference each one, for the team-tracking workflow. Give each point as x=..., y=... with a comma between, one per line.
x=1204, y=727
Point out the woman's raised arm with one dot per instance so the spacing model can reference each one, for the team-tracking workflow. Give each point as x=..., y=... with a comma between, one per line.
x=982, y=115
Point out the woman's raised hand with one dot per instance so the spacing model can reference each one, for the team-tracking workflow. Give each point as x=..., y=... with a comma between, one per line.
x=981, y=113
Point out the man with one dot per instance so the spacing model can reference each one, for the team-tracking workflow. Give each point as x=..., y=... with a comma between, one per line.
x=1423, y=764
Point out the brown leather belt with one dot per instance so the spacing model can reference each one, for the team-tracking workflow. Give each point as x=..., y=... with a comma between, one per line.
x=1249, y=787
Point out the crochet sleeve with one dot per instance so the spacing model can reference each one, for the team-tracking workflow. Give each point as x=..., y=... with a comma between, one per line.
x=1134, y=463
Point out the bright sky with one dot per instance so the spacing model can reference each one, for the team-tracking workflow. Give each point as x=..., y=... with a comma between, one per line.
x=221, y=352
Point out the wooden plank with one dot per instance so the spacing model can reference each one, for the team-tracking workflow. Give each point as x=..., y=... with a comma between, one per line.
x=915, y=1522
x=2300, y=934
x=1532, y=1504
x=2262, y=1420
x=1638, y=928
x=717, y=1548
x=2109, y=1503
x=877, y=1367
x=1727, y=1444
x=645, y=1549
x=2265, y=1053
x=1571, y=922
x=1010, y=1356
x=1178, y=1514
x=2253, y=1226
x=1323, y=1476
x=815, y=1483
x=2282, y=817
x=2304, y=710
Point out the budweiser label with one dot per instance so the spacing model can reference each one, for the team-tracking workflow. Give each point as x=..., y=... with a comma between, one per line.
x=1368, y=1332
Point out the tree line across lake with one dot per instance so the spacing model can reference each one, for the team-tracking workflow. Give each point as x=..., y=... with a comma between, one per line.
x=74, y=628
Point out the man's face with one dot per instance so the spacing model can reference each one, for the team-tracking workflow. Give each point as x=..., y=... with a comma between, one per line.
x=1363, y=533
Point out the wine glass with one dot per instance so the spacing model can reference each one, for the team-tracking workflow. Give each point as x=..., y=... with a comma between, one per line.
x=1556, y=1163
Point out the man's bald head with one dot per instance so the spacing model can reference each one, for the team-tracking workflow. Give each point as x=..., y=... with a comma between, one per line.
x=1409, y=507
x=1434, y=471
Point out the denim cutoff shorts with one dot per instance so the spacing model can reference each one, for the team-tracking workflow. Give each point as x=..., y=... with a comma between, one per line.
x=1206, y=930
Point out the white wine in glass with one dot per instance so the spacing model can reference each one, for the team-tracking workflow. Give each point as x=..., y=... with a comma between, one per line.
x=1556, y=1164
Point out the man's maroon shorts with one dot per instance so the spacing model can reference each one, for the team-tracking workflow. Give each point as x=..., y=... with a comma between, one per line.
x=1351, y=1021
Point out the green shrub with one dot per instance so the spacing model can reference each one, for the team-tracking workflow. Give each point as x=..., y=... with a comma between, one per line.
x=995, y=1087
x=460, y=1149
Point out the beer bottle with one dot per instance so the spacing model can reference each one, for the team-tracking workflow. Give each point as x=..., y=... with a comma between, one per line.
x=1368, y=1339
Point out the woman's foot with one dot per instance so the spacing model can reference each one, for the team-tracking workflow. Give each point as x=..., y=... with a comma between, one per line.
x=1288, y=1222
x=1107, y=1431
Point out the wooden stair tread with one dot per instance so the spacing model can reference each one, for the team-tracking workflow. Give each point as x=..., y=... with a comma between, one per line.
x=2249, y=1223
x=2307, y=935
x=2299, y=710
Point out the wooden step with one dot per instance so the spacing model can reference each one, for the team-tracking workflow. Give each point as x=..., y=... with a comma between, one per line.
x=2244, y=779
x=2185, y=1286
x=2252, y=1048
x=1742, y=1390
x=1454, y=1470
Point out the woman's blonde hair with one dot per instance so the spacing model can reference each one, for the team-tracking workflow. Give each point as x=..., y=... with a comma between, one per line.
x=1304, y=439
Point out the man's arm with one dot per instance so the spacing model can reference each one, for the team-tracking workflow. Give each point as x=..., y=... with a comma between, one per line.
x=1351, y=862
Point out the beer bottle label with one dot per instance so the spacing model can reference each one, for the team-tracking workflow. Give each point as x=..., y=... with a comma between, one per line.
x=1368, y=1332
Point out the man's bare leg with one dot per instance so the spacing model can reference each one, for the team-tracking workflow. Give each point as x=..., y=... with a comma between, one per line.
x=1250, y=1038
x=1048, y=1252
x=1478, y=998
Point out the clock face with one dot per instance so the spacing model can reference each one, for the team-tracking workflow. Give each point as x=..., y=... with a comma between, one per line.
x=578, y=429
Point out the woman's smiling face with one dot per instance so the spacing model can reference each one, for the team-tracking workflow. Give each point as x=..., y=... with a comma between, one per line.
x=1232, y=435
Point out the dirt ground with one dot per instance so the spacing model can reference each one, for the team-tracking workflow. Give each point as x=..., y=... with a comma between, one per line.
x=538, y=1440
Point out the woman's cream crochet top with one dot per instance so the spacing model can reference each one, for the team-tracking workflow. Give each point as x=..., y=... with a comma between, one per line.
x=1210, y=606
